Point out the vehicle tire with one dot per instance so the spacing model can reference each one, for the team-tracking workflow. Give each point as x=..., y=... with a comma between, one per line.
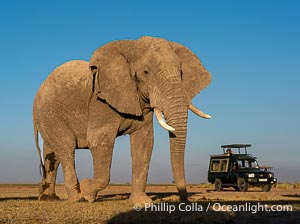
x=266, y=187
x=242, y=184
x=218, y=185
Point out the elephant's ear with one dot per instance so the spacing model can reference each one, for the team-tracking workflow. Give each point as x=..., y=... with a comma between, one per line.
x=194, y=75
x=112, y=81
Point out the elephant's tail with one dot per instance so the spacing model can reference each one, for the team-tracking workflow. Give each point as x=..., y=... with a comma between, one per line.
x=36, y=138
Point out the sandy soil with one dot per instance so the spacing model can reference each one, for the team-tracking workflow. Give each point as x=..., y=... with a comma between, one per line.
x=19, y=204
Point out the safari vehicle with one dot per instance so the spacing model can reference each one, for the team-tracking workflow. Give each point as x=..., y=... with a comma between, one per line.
x=238, y=170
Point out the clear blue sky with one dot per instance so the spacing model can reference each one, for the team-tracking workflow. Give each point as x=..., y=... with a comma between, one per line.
x=252, y=49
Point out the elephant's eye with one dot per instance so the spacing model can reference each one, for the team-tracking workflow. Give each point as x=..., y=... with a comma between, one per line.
x=147, y=70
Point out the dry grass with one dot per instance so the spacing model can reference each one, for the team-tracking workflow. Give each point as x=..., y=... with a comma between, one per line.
x=287, y=186
x=32, y=211
x=19, y=204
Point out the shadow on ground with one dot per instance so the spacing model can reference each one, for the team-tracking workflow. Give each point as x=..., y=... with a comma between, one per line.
x=292, y=195
x=153, y=195
x=235, y=212
x=147, y=217
x=19, y=198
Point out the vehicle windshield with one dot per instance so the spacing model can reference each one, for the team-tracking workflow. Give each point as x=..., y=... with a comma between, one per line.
x=248, y=164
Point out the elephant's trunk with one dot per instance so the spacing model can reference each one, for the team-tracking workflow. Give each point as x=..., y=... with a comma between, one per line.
x=176, y=114
x=177, y=150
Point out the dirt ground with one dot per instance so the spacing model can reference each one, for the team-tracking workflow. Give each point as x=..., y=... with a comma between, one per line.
x=19, y=204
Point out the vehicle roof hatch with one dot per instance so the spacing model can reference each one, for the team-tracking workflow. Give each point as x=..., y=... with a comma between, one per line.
x=236, y=146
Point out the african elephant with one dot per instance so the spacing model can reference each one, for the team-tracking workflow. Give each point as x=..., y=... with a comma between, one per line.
x=83, y=105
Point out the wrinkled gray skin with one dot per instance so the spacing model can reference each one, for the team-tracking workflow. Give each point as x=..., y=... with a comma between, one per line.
x=87, y=105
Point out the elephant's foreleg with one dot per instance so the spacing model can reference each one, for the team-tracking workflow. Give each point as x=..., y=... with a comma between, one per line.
x=47, y=186
x=141, y=143
x=102, y=150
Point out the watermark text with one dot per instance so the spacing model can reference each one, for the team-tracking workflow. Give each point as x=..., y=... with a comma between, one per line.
x=211, y=206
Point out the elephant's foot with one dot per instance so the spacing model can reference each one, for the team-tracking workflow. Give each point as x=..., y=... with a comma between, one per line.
x=139, y=198
x=87, y=190
x=48, y=197
x=47, y=193
x=75, y=198
x=73, y=194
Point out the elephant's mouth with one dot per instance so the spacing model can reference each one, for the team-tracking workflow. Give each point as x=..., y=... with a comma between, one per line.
x=158, y=113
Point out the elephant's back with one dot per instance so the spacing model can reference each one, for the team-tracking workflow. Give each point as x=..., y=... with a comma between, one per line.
x=68, y=78
x=69, y=82
x=62, y=100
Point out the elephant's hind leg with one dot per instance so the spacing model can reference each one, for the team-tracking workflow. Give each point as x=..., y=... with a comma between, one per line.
x=67, y=160
x=47, y=185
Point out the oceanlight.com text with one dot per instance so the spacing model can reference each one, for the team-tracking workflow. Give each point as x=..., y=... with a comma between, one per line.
x=216, y=207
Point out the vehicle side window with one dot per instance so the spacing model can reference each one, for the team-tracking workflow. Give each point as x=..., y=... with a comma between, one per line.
x=219, y=165
x=214, y=165
x=223, y=166
x=241, y=163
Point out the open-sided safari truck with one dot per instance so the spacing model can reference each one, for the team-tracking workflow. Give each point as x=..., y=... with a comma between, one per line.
x=238, y=170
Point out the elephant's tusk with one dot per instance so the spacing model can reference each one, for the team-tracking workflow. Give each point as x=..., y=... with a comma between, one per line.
x=161, y=120
x=199, y=112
